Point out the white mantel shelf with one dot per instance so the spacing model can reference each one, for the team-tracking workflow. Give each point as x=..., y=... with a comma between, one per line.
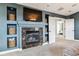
x=21, y=23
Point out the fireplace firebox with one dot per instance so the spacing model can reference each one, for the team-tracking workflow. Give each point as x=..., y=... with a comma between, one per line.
x=31, y=37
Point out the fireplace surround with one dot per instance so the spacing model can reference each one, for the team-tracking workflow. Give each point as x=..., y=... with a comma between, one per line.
x=32, y=37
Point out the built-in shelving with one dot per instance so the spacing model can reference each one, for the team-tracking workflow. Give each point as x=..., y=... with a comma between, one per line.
x=11, y=27
x=46, y=28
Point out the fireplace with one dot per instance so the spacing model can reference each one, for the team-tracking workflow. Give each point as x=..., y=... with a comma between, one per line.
x=31, y=37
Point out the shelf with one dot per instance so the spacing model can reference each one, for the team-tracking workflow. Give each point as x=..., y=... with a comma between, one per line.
x=11, y=22
x=21, y=23
x=46, y=33
x=46, y=24
x=11, y=35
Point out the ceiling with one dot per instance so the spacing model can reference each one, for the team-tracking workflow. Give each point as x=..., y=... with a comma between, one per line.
x=58, y=8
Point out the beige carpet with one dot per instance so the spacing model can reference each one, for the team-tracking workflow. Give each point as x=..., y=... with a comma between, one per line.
x=69, y=47
x=60, y=48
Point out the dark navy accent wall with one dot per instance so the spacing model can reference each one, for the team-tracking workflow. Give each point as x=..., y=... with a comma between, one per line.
x=76, y=25
x=54, y=14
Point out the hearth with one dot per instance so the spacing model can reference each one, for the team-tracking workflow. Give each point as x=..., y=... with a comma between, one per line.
x=31, y=37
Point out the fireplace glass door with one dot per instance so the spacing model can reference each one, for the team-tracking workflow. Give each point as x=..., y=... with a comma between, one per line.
x=31, y=37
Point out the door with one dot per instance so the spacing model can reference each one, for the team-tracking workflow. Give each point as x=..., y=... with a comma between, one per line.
x=69, y=29
x=60, y=28
x=51, y=29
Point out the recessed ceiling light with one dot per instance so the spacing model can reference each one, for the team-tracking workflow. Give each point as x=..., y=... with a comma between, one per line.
x=61, y=8
x=74, y=5
x=48, y=5
x=69, y=11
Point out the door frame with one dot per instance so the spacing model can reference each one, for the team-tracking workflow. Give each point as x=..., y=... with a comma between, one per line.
x=56, y=19
x=61, y=19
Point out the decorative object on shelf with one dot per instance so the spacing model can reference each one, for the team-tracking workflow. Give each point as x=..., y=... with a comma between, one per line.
x=45, y=29
x=11, y=42
x=11, y=16
x=11, y=13
x=45, y=21
x=46, y=37
x=32, y=15
x=11, y=29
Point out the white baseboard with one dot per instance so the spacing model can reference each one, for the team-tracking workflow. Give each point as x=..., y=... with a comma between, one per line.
x=9, y=51
x=76, y=40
